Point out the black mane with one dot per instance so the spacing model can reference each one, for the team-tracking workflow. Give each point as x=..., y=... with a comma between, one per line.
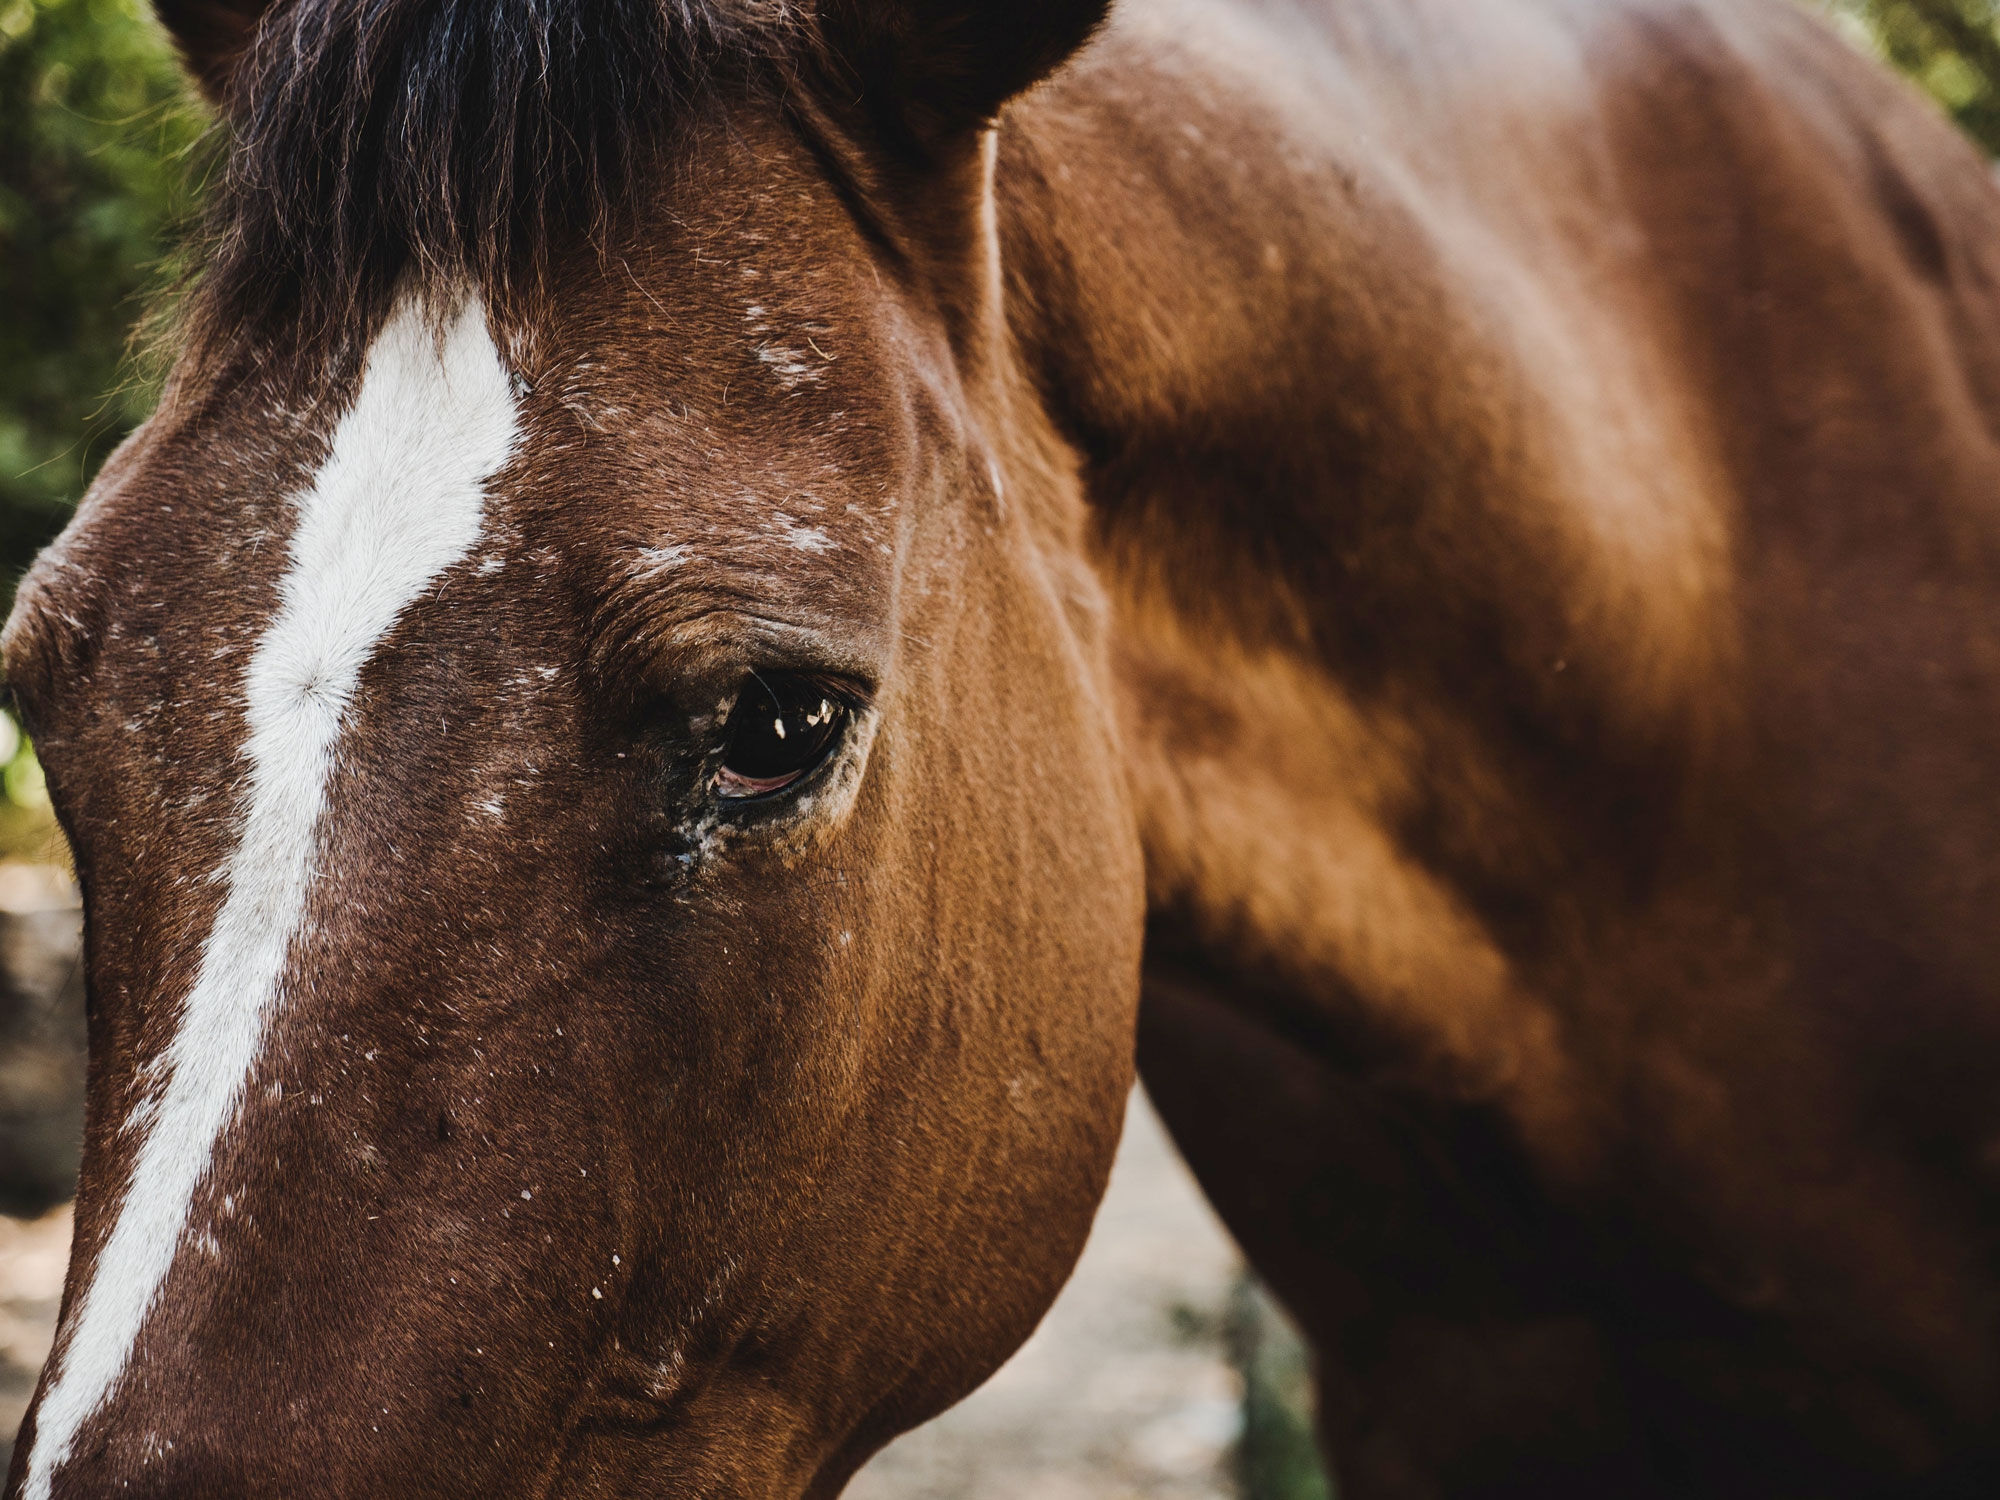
x=452, y=140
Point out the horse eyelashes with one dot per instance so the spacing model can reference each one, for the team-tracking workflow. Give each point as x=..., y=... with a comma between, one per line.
x=783, y=725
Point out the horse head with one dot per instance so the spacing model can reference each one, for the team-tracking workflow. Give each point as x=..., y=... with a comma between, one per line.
x=613, y=918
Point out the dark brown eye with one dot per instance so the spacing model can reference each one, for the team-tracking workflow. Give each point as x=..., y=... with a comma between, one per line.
x=783, y=725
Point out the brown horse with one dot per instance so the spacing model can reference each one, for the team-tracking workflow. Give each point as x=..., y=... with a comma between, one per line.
x=697, y=620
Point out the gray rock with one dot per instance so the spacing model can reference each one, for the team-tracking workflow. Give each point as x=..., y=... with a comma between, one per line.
x=42, y=1047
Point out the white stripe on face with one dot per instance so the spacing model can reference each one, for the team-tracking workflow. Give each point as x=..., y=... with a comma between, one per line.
x=399, y=500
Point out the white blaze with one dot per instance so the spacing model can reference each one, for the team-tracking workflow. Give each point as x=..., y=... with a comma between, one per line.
x=399, y=500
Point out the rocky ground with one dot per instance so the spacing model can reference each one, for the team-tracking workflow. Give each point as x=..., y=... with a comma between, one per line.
x=33, y=1253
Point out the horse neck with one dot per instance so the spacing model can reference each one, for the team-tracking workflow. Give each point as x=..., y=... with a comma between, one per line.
x=1350, y=473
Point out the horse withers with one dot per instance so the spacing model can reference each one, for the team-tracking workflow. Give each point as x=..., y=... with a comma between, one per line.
x=720, y=587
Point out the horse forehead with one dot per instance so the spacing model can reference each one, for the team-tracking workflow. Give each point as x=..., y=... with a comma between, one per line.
x=217, y=480
x=654, y=463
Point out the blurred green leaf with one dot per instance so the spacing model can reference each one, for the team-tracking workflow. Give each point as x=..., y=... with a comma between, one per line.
x=96, y=131
x=1950, y=47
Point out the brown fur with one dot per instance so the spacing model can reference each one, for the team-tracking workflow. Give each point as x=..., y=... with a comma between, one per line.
x=1572, y=738
x=1492, y=502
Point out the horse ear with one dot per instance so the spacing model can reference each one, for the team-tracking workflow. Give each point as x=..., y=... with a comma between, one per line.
x=946, y=66
x=212, y=36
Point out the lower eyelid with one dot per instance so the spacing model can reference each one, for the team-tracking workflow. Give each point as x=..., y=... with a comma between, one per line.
x=732, y=787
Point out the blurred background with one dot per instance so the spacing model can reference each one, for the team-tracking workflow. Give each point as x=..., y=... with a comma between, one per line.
x=1162, y=1372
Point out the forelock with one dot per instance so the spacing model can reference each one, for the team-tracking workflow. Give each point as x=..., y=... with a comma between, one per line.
x=451, y=142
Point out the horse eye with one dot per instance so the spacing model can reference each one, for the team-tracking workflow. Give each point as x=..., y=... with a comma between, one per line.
x=782, y=726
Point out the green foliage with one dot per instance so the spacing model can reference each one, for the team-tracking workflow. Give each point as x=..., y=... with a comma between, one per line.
x=1279, y=1457
x=27, y=824
x=1950, y=47
x=96, y=133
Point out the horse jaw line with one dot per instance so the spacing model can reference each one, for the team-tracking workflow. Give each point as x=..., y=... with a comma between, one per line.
x=399, y=499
